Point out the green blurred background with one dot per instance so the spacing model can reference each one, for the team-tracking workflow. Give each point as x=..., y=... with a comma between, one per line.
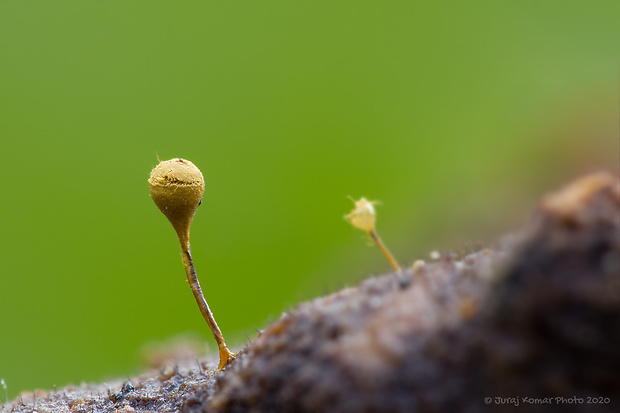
x=456, y=116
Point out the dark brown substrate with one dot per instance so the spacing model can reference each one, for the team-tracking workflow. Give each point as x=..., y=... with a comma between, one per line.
x=534, y=321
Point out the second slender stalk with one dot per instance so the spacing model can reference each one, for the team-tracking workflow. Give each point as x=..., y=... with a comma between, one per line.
x=384, y=250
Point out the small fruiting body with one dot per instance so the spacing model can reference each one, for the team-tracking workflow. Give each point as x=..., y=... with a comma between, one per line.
x=177, y=187
x=364, y=217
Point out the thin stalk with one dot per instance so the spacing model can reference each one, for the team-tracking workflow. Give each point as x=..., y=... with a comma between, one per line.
x=384, y=250
x=225, y=354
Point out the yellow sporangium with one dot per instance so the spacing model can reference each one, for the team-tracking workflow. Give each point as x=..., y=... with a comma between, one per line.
x=364, y=217
x=177, y=187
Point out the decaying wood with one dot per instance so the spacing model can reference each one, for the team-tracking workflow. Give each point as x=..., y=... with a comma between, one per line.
x=536, y=318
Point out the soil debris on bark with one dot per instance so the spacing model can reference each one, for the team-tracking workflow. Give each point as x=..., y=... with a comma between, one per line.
x=533, y=322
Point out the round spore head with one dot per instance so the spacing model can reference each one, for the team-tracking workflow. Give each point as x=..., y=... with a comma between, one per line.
x=177, y=187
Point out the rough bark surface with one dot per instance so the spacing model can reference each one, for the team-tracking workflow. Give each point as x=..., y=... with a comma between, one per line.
x=534, y=322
